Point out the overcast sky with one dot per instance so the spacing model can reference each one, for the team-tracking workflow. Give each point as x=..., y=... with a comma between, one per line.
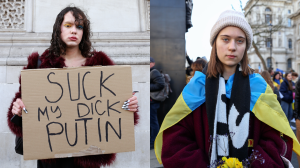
x=204, y=16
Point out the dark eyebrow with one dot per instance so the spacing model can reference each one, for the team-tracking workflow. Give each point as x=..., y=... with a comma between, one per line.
x=68, y=22
x=237, y=37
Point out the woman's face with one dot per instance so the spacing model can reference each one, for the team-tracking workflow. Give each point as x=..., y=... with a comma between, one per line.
x=231, y=46
x=71, y=33
x=277, y=76
x=289, y=77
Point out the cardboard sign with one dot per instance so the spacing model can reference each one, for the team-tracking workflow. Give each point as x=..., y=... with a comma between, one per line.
x=76, y=112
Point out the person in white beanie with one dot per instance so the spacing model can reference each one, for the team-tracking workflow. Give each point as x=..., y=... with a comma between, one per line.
x=226, y=110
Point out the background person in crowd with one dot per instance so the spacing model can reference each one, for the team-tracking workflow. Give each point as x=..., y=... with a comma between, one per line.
x=286, y=89
x=294, y=77
x=266, y=75
x=70, y=47
x=271, y=72
x=157, y=83
x=198, y=65
x=188, y=69
x=276, y=79
x=219, y=103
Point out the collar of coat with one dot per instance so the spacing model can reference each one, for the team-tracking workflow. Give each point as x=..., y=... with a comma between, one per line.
x=263, y=103
x=53, y=61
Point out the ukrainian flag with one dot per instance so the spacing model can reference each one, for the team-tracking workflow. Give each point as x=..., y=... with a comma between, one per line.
x=263, y=104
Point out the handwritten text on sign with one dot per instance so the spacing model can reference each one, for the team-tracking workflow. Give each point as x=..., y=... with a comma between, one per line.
x=76, y=111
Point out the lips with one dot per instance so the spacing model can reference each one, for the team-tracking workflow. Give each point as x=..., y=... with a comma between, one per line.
x=230, y=56
x=73, y=38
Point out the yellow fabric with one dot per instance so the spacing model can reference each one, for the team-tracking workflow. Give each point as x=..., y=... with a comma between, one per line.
x=293, y=106
x=266, y=109
x=179, y=111
x=268, y=105
x=276, y=84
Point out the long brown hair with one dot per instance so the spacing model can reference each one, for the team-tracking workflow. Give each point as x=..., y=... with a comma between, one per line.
x=215, y=66
x=290, y=82
x=266, y=75
x=58, y=47
x=198, y=65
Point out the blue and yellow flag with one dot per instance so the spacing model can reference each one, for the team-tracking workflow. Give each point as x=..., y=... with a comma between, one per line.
x=263, y=104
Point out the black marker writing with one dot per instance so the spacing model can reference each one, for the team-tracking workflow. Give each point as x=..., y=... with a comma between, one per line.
x=106, y=127
x=57, y=133
x=62, y=91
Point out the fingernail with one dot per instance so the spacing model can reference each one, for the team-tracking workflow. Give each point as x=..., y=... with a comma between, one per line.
x=126, y=102
x=124, y=106
x=126, y=109
x=25, y=110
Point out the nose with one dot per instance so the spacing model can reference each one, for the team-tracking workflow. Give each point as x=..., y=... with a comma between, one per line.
x=232, y=45
x=73, y=29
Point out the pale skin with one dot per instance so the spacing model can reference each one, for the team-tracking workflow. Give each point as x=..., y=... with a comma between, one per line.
x=289, y=77
x=71, y=34
x=152, y=64
x=231, y=46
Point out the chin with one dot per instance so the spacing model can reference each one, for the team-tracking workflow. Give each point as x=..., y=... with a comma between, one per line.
x=72, y=44
x=231, y=64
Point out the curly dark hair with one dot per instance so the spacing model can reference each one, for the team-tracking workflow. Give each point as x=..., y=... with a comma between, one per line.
x=58, y=47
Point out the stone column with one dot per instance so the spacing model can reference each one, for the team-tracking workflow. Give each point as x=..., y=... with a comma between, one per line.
x=168, y=28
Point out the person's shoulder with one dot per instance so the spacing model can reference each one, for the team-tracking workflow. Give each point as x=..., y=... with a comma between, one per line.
x=99, y=58
x=281, y=80
x=32, y=60
x=155, y=71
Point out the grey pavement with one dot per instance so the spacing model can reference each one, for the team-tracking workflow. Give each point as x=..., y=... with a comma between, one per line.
x=154, y=163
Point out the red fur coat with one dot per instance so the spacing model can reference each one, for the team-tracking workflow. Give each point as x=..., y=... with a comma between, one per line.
x=98, y=58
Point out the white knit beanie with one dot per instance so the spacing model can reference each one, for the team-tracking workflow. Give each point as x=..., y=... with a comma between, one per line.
x=232, y=18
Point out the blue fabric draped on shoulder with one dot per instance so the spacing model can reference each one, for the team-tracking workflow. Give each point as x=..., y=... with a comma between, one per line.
x=258, y=85
x=194, y=92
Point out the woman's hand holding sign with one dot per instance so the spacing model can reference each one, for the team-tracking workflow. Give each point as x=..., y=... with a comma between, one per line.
x=131, y=104
x=18, y=105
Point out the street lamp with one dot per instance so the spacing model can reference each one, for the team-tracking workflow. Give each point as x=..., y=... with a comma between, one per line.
x=270, y=28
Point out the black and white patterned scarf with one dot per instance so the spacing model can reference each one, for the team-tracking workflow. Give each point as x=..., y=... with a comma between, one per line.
x=229, y=128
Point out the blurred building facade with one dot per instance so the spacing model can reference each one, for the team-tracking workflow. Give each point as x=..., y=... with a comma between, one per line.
x=295, y=17
x=121, y=29
x=282, y=38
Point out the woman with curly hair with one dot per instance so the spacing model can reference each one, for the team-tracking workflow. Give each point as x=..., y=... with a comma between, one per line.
x=70, y=47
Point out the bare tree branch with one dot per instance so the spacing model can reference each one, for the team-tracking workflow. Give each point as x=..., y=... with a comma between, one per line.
x=261, y=30
x=249, y=11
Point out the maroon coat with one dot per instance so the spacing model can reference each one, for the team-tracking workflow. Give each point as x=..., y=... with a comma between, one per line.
x=98, y=58
x=186, y=144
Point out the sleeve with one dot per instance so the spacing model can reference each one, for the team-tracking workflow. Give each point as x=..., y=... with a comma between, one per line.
x=157, y=81
x=180, y=148
x=285, y=92
x=271, y=147
x=32, y=64
x=189, y=60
